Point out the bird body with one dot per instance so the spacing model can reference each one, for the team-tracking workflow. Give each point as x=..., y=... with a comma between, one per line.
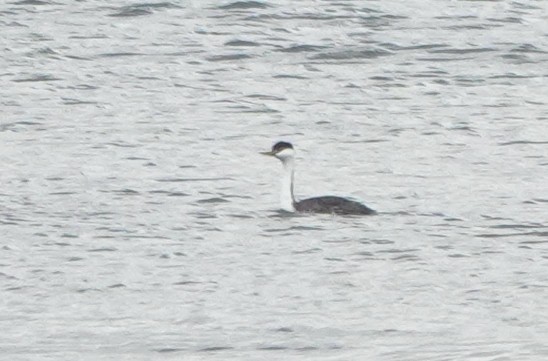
x=332, y=204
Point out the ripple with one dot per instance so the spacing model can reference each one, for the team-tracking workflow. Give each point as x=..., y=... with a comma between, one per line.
x=142, y=9
x=42, y=51
x=32, y=2
x=405, y=257
x=364, y=254
x=169, y=350
x=302, y=48
x=118, y=54
x=103, y=249
x=75, y=259
x=458, y=255
x=213, y=200
x=126, y=192
x=462, y=50
x=350, y=54
x=515, y=234
x=117, y=285
x=528, y=49
x=228, y=57
x=397, y=250
x=73, y=101
x=397, y=47
x=272, y=348
x=215, y=348
x=37, y=78
x=131, y=11
x=540, y=234
x=305, y=228
x=509, y=19
x=524, y=142
x=244, y=5
x=178, y=180
x=289, y=76
x=308, y=251
x=184, y=283
x=170, y=193
x=241, y=43
x=284, y=329
x=517, y=226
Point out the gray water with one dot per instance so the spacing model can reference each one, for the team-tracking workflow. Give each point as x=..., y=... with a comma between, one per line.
x=139, y=222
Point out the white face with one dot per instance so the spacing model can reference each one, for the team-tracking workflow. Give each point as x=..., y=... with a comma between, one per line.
x=287, y=153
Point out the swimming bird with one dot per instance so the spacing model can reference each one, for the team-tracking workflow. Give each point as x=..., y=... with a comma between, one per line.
x=329, y=204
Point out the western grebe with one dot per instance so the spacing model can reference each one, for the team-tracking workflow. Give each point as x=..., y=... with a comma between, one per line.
x=286, y=154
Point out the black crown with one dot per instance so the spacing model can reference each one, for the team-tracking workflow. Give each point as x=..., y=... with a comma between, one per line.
x=278, y=147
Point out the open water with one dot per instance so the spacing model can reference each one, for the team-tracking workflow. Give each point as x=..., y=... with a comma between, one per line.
x=139, y=222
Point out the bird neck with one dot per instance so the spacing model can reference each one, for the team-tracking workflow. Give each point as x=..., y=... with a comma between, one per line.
x=287, y=199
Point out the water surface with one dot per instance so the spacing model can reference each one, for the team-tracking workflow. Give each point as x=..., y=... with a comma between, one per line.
x=138, y=221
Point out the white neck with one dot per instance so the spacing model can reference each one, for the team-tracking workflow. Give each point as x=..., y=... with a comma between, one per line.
x=287, y=199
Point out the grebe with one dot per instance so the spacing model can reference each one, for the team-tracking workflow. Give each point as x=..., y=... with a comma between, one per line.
x=286, y=154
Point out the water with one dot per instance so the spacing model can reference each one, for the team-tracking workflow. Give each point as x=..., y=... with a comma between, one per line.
x=138, y=221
